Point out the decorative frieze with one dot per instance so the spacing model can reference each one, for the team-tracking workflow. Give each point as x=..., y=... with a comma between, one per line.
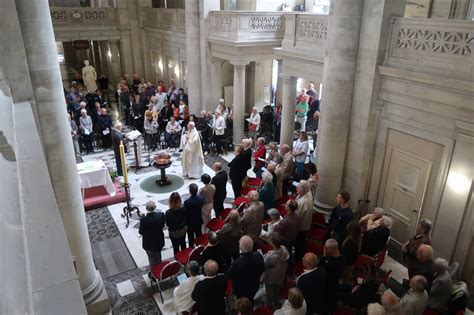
x=312, y=29
x=87, y=16
x=266, y=23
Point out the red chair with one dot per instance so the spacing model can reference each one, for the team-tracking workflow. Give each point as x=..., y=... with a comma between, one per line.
x=361, y=264
x=264, y=247
x=286, y=288
x=315, y=248
x=281, y=209
x=202, y=239
x=165, y=270
x=224, y=213
x=252, y=181
x=239, y=200
x=228, y=292
x=386, y=277
x=263, y=310
x=298, y=269
x=188, y=254
x=245, y=191
x=318, y=218
x=285, y=198
x=380, y=258
x=316, y=233
x=215, y=224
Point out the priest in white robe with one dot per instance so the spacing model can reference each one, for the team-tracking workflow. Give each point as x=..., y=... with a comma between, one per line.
x=192, y=159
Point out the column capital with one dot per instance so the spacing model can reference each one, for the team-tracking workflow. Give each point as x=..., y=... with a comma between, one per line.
x=239, y=62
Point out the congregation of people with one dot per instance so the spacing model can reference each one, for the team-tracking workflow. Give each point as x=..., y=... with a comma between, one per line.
x=272, y=249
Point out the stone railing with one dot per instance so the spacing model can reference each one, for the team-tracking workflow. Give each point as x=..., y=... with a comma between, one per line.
x=443, y=47
x=306, y=32
x=72, y=16
x=246, y=26
x=166, y=19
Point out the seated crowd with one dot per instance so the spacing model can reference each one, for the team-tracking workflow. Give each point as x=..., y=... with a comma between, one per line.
x=272, y=251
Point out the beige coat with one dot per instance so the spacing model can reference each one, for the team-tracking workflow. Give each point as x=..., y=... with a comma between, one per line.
x=252, y=220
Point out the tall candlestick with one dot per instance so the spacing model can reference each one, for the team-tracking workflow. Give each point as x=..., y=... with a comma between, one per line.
x=124, y=163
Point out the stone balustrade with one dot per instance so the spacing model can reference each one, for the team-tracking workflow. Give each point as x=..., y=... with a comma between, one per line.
x=247, y=26
x=76, y=16
x=166, y=19
x=441, y=47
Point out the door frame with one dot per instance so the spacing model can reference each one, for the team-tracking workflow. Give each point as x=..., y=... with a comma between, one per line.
x=415, y=129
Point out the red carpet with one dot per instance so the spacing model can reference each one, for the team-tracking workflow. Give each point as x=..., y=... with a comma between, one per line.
x=96, y=197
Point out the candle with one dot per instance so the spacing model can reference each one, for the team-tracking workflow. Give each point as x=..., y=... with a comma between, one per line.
x=124, y=163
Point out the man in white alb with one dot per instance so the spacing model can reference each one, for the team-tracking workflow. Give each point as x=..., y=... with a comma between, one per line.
x=192, y=160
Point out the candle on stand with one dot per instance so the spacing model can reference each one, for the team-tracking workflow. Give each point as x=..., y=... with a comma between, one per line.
x=124, y=163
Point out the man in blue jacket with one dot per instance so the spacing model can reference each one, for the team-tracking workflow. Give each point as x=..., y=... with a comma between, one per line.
x=193, y=209
x=340, y=217
x=151, y=230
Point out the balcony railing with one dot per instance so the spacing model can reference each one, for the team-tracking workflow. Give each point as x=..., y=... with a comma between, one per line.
x=71, y=16
x=433, y=46
x=166, y=19
x=246, y=26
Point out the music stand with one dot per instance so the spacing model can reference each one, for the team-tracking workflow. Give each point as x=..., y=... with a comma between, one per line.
x=133, y=136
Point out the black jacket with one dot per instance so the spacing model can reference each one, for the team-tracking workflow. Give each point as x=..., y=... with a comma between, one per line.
x=117, y=138
x=220, y=181
x=338, y=221
x=209, y=295
x=151, y=230
x=313, y=288
x=334, y=267
x=193, y=208
x=375, y=240
x=238, y=167
x=246, y=272
x=211, y=252
x=248, y=159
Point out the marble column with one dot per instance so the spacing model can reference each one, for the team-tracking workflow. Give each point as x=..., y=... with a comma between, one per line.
x=216, y=82
x=193, y=56
x=115, y=72
x=40, y=46
x=279, y=85
x=338, y=84
x=239, y=100
x=288, y=109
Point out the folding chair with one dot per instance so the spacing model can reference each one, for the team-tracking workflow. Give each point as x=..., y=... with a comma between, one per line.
x=215, y=224
x=165, y=270
x=188, y=254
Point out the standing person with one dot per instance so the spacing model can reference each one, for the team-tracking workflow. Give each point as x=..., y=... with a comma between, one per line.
x=85, y=124
x=228, y=237
x=135, y=83
x=351, y=249
x=312, y=284
x=202, y=126
x=287, y=166
x=151, y=230
x=238, y=170
x=252, y=217
x=305, y=212
x=266, y=191
x=287, y=228
x=220, y=183
x=150, y=126
x=173, y=128
x=313, y=179
x=254, y=124
x=207, y=192
x=182, y=293
x=125, y=101
x=193, y=208
x=301, y=111
x=176, y=222
x=74, y=135
x=246, y=271
x=276, y=263
x=410, y=248
x=333, y=264
x=137, y=112
x=300, y=151
x=247, y=143
x=192, y=160
x=105, y=124
x=218, y=129
x=209, y=293
x=161, y=97
x=340, y=217
x=117, y=139
x=259, y=157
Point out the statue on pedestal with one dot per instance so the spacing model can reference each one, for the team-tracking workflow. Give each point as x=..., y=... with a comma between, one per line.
x=89, y=76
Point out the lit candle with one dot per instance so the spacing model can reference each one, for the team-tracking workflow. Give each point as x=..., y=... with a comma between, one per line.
x=124, y=163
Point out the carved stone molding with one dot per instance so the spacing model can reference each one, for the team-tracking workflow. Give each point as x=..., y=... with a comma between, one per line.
x=266, y=23
x=311, y=30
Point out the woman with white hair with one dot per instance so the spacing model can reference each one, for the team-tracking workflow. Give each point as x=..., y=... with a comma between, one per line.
x=192, y=159
x=440, y=292
x=375, y=240
x=268, y=229
x=372, y=220
x=85, y=124
x=259, y=156
x=254, y=124
x=266, y=192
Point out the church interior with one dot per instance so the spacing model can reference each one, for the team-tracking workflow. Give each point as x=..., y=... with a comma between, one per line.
x=237, y=157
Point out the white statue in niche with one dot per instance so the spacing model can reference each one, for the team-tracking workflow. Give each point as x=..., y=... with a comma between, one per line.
x=89, y=76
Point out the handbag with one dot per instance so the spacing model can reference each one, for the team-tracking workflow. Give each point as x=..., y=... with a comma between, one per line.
x=252, y=127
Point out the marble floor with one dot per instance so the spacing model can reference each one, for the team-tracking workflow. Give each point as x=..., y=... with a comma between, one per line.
x=117, y=250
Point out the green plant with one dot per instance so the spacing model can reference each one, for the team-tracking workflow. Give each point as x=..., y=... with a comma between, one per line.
x=113, y=174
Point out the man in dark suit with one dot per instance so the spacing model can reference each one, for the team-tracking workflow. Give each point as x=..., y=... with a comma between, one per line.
x=333, y=263
x=247, y=270
x=209, y=293
x=220, y=182
x=151, y=230
x=312, y=284
x=117, y=139
x=193, y=210
x=212, y=252
x=340, y=217
x=247, y=143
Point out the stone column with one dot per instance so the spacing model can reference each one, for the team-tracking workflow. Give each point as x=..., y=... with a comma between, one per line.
x=114, y=63
x=216, y=80
x=193, y=56
x=239, y=100
x=288, y=110
x=279, y=85
x=338, y=83
x=40, y=46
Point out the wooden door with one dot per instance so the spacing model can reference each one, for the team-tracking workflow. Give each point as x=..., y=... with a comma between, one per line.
x=404, y=192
